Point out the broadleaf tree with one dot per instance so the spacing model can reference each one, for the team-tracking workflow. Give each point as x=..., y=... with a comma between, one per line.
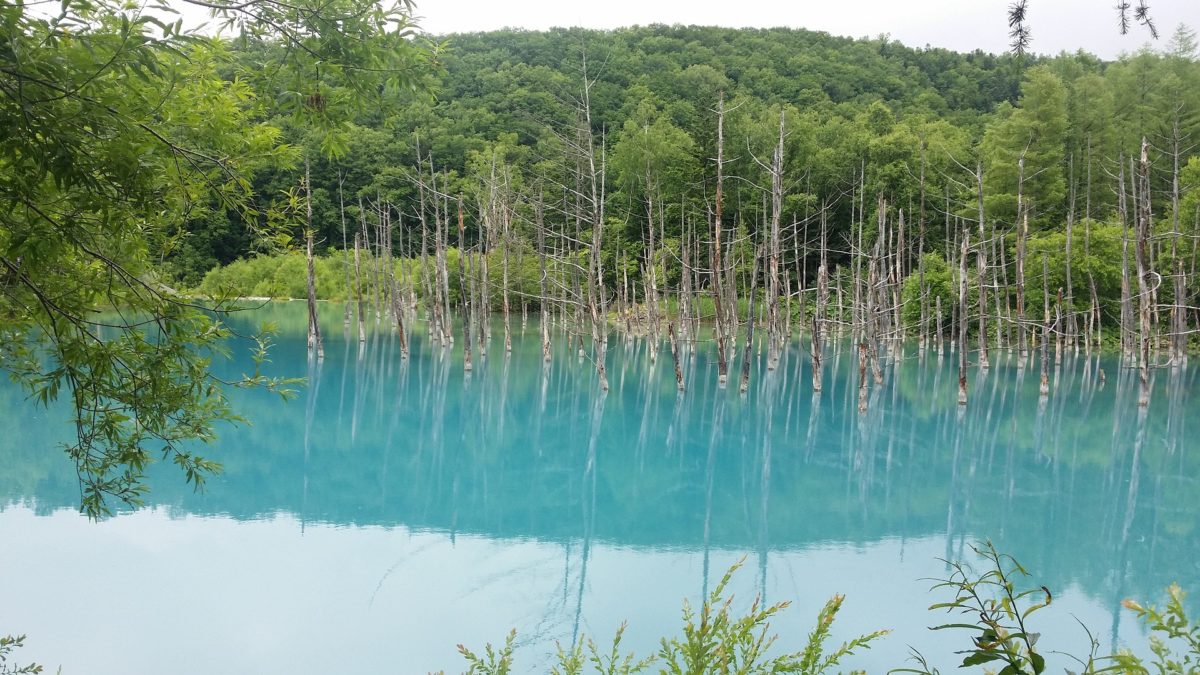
x=116, y=126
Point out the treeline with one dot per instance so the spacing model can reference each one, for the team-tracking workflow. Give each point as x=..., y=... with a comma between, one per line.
x=518, y=90
x=848, y=185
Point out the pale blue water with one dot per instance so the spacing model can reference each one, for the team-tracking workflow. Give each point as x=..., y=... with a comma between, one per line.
x=397, y=509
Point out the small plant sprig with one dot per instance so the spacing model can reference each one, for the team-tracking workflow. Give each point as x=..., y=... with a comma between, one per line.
x=714, y=642
x=1000, y=631
x=493, y=661
x=8, y=643
x=572, y=661
x=1173, y=624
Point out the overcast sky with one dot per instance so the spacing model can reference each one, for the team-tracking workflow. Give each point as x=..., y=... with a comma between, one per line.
x=961, y=25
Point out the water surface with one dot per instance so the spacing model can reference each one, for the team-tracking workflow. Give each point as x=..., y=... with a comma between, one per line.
x=396, y=509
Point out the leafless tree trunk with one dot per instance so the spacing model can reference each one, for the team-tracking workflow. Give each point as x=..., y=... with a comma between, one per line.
x=774, y=250
x=981, y=270
x=1144, y=274
x=1127, y=341
x=962, y=318
x=463, y=290
x=675, y=355
x=746, y=354
x=358, y=294
x=1022, y=236
x=345, y=255
x=314, y=329
x=717, y=265
x=544, y=300
x=1044, y=388
x=396, y=295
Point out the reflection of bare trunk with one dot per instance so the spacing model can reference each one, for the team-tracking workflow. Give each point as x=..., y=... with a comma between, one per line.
x=1135, y=471
x=310, y=413
x=768, y=418
x=710, y=473
x=589, y=502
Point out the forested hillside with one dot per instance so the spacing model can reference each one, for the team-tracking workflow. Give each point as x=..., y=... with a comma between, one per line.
x=520, y=90
x=951, y=194
x=860, y=115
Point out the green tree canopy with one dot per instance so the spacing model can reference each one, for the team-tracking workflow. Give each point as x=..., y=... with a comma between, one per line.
x=115, y=128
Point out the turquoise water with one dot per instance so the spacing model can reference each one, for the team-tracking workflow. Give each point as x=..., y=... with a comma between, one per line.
x=396, y=509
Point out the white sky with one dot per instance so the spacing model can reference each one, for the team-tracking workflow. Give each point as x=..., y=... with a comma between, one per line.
x=961, y=25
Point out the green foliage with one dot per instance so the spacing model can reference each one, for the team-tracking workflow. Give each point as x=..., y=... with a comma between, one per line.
x=997, y=615
x=493, y=661
x=1095, y=257
x=282, y=276
x=119, y=131
x=8, y=643
x=1033, y=134
x=714, y=641
x=1170, y=627
x=939, y=283
x=855, y=109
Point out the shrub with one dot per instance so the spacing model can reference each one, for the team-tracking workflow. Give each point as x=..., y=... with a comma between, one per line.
x=714, y=640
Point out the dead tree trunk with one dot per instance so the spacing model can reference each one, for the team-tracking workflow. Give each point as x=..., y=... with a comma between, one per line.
x=962, y=318
x=818, y=329
x=358, y=294
x=1127, y=342
x=1044, y=388
x=981, y=270
x=396, y=295
x=717, y=265
x=1144, y=274
x=1022, y=234
x=1070, y=327
x=314, y=329
x=746, y=352
x=345, y=256
x=675, y=355
x=544, y=300
x=463, y=291
x=774, y=324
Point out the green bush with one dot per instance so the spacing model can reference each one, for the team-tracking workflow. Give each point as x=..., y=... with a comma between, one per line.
x=714, y=640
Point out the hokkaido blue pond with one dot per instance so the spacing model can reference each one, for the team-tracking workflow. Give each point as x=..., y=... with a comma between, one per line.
x=396, y=509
